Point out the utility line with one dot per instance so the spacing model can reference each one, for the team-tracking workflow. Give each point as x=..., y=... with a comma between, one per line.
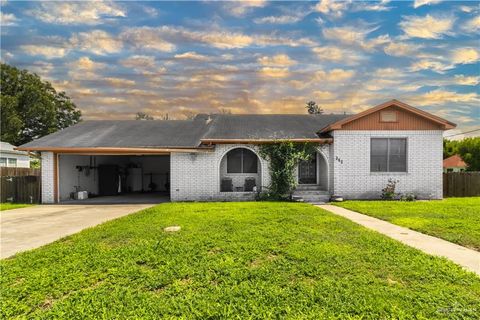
x=453, y=135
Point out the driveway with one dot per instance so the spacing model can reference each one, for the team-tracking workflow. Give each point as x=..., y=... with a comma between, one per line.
x=32, y=227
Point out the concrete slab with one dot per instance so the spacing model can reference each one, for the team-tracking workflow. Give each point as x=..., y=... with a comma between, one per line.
x=28, y=228
x=467, y=258
x=129, y=198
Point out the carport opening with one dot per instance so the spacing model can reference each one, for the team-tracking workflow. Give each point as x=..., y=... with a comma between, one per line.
x=114, y=178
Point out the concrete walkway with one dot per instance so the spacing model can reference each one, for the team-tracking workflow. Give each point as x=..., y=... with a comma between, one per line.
x=28, y=228
x=467, y=258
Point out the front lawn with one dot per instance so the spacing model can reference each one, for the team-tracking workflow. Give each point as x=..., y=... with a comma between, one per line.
x=234, y=260
x=453, y=219
x=8, y=206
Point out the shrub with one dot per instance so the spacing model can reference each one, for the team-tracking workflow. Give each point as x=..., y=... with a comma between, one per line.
x=283, y=157
x=388, y=193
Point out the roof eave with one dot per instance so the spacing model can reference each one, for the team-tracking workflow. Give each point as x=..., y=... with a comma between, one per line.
x=116, y=150
x=264, y=141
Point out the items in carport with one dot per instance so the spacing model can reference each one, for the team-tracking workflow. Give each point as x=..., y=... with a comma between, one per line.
x=108, y=180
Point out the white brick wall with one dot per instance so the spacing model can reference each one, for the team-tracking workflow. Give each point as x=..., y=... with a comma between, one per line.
x=196, y=177
x=47, y=178
x=351, y=164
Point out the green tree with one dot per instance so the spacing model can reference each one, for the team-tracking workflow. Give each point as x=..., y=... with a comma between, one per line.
x=468, y=149
x=313, y=108
x=32, y=108
x=143, y=116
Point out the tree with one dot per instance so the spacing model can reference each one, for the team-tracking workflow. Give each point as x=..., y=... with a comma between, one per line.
x=468, y=149
x=313, y=108
x=143, y=116
x=32, y=108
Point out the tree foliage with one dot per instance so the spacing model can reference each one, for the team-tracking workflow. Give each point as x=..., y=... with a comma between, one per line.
x=313, y=108
x=31, y=107
x=283, y=157
x=143, y=116
x=468, y=149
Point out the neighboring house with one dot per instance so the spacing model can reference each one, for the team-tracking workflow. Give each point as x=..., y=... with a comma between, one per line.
x=216, y=158
x=9, y=157
x=454, y=163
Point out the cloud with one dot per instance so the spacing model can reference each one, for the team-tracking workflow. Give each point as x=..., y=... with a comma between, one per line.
x=441, y=97
x=85, y=63
x=472, y=25
x=281, y=60
x=119, y=82
x=467, y=80
x=76, y=13
x=145, y=65
x=192, y=56
x=355, y=35
x=335, y=75
x=400, y=49
x=323, y=95
x=147, y=38
x=419, y=3
x=240, y=8
x=96, y=41
x=428, y=27
x=465, y=56
x=331, y=7
x=271, y=72
x=284, y=19
x=48, y=52
x=8, y=19
x=426, y=64
x=371, y=6
x=338, y=54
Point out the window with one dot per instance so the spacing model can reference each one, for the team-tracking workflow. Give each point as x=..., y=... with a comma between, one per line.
x=241, y=161
x=12, y=162
x=388, y=155
x=3, y=162
x=388, y=116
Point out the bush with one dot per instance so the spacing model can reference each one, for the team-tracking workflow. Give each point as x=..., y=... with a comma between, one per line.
x=388, y=193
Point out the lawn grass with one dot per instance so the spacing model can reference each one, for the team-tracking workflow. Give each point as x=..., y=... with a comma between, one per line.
x=453, y=219
x=234, y=260
x=8, y=206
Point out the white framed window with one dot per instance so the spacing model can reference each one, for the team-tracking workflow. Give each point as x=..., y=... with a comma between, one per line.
x=3, y=162
x=388, y=155
x=12, y=162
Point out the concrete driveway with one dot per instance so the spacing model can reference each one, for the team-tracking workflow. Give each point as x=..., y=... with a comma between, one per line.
x=32, y=227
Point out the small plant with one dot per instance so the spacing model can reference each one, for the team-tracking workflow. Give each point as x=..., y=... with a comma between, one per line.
x=388, y=193
x=408, y=197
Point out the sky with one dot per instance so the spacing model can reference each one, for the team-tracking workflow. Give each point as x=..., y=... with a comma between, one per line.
x=115, y=59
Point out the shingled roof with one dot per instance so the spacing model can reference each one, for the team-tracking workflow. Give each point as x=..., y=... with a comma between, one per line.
x=183, y=133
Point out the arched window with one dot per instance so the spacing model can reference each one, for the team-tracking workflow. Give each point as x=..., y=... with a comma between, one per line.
x=242, y=160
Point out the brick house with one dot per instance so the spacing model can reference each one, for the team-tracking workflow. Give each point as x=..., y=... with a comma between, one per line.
x=216, y=157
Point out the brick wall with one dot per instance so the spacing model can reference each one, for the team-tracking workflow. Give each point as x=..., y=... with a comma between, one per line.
x=47, y=178
x=351, y=164
x=196, y=177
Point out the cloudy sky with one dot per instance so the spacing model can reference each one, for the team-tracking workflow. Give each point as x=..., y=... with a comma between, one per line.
x=117, y=58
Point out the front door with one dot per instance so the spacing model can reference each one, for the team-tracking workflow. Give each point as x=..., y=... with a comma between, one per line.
x=307, y=171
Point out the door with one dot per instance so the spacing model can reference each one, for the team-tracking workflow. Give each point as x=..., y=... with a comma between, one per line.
x=307, y=171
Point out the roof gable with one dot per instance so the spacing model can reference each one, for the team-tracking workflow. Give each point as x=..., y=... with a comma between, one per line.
x=454, y=161
x=408, y=118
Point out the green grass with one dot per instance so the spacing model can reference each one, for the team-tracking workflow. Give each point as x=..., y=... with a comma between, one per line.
x=9, y=206
x=234, y=260
x=453, y=219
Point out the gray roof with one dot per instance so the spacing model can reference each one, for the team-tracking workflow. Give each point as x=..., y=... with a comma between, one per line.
x=271, y=126
x=184, y=133
x=127, y=134
x=6, y=147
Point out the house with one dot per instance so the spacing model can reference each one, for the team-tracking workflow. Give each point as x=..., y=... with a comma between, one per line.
x=216, y=157
x=9, y=157
x=454, y=163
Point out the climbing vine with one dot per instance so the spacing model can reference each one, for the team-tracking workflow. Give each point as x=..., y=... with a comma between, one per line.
x=283, y=157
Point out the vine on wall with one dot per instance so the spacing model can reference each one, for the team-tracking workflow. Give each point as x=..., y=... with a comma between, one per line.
x=283, y=157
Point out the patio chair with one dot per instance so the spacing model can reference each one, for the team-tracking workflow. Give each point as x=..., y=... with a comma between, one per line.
x=250, y=182
x=226, y=185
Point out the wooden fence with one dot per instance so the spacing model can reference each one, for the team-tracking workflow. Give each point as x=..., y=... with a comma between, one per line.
x=16, y=172
x=20, y=185
x=461, y=184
